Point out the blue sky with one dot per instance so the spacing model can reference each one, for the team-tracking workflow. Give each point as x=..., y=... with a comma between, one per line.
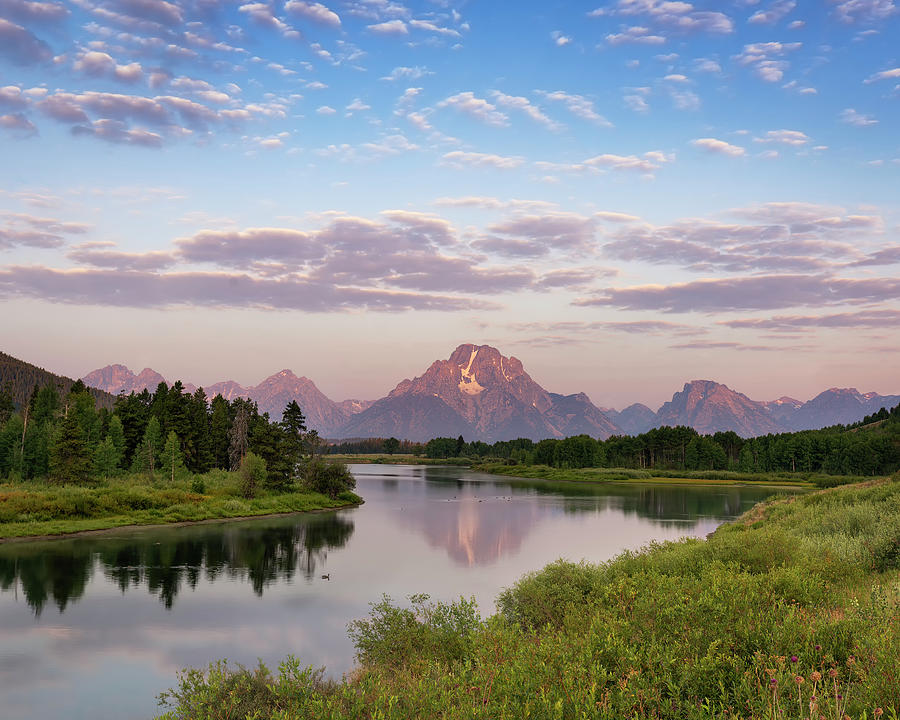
x=624, y=195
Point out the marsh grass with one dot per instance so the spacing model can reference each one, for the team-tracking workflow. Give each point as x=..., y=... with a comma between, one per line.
x=805, y=587
x=35, y=508
x=546, y=472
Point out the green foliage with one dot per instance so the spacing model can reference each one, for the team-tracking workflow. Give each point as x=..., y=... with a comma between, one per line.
x=252, y=474
x=329, y=479
x=146, y=455
x=171, y=460
x=106, y=458
x=393, y=637
x=69, y=459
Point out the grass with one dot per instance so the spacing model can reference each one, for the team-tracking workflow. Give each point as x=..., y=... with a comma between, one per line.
x=792, y=611
x=396, y=459
x=38, y=508
x=711, y=477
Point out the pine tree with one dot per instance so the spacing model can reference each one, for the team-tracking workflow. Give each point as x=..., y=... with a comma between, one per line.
x=171, y=459
x=69, y=459
x=294, y=425
x=147, y=453
x=106, y=458
x=117, y=435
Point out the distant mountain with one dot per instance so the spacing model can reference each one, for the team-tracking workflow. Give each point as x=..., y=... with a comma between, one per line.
x=635, y=419
x=115, y=379
x=838, y=406
x=480, y=394
x=709, y=407
x=271, y=395
x=22, y=377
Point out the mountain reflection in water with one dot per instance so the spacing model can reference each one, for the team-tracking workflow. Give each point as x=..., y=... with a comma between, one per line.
x=480, y=521
x=60, y=570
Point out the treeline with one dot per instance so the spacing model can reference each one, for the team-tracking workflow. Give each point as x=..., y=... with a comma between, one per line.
x=373, y=446
x=870, y=447
x=19, y=378
x=68, y=439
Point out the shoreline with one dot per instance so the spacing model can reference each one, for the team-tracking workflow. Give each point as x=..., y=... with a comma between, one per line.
x=177, y=523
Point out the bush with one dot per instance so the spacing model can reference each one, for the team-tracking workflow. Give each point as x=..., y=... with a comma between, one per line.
x=330, y=479
x=252, y=474
x=395, y=637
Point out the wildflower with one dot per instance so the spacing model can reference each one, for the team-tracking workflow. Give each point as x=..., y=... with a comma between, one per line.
x=878, y=712
x=798, y=679
x=773, y=682
x=818, y=647
x=793, y=658
x=815, y=676
x=832, y=673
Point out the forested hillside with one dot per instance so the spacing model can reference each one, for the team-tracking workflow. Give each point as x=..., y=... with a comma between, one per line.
x=20, y=380
x=869, y=447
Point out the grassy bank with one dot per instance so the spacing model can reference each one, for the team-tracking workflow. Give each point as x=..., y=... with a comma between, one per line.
x=789, y=612
x=40, y=508
x=544, y=472
x=396, y=459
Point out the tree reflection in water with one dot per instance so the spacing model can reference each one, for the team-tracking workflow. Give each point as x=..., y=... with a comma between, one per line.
x=260, y=551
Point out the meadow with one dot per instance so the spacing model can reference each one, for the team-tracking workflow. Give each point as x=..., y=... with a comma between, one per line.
x=31, y=508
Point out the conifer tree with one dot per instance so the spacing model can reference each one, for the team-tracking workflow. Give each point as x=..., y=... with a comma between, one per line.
x=147, y=453
x=239, y=435
x=117, y=435
x=171, y=459
x=69, y=458
x=106, y=458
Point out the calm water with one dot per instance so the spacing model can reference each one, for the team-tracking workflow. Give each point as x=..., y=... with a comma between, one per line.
x=97, y=627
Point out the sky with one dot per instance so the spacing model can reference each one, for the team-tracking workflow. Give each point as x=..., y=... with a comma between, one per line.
x=626, y=195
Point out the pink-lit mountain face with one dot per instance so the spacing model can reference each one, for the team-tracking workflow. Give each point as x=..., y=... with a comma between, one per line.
x=480, y=394
x=483, y=395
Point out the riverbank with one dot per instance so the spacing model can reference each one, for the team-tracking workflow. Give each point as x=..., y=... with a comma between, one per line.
x=396, y=459
x=788, y=612
x=696, y=477
x=33, y=510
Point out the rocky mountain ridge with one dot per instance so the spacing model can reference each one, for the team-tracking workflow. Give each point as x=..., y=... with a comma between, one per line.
x=483, y=395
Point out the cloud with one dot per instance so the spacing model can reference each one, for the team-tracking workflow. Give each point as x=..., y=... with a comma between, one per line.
x=460, y=160
x=233, y=248
x=851, y=11
x=784, y=137
x=635, y=35
x=559, y=38
x=476, y=107
x=115, y=131
x=852, y=117
x=17, y=122
x=552, y=231
x=116, y=288
x=13, y=98
x=892, y=74
x=765, y=292
x=719, y=147
x=390, y=27
x=524, y=105
x=776, y=11
x=100, y=64
x=117, y=260
x=21, y=46
x=870, y=318
x=315, y=12
x=887, y=256
x=325, y=110
x=433, y=27
x=670, y=16
x=20, y=229
x=761, y=58
x=26, y=11
x=407, y=73
x=578, y=105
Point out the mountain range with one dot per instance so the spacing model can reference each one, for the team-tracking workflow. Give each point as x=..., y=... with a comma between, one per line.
x=483, y=395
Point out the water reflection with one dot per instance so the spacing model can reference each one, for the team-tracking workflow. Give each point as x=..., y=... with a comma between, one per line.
x=481, y=520
x=164, y=561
